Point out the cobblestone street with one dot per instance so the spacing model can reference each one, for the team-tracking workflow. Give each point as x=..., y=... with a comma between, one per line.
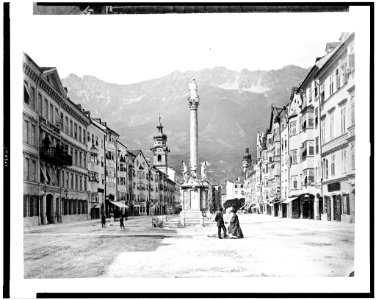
x=271, y=247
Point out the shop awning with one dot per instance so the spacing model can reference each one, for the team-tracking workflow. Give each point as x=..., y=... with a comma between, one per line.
x=43, y=169
x=288, y=200
x=119, y=204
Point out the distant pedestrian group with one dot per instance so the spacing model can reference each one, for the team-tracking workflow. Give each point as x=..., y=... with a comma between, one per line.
x=233, y=231
x=123, y=216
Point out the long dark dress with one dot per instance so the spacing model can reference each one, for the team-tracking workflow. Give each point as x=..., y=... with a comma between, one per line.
x=234, y=227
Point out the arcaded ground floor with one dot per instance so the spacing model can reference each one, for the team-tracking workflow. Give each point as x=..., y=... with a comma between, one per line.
x=271, y=247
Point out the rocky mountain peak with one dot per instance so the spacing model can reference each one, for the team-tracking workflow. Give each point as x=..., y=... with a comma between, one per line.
x=233, y=106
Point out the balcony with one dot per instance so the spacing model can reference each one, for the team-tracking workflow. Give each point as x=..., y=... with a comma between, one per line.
x=56, y=156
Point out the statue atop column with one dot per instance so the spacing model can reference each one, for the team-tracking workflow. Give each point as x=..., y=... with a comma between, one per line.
x=185, y=172
x=193, y=98
x=193, y=90
x=203, y=170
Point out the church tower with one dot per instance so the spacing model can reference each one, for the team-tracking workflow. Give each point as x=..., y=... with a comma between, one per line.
x=160, y=149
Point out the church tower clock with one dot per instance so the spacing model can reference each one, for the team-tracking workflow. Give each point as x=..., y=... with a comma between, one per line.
x=160, y=149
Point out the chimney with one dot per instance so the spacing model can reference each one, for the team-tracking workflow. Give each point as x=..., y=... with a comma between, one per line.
x=66, y=89
x=247, y=150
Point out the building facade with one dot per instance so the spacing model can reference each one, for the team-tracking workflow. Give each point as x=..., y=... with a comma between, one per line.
x=317, y=144
x=96, y=169
x=122, y=172
x=54, y=148
x=337, y=114
x=235, y=189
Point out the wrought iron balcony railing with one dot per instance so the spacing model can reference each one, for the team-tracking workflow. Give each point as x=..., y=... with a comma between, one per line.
x=56, y=156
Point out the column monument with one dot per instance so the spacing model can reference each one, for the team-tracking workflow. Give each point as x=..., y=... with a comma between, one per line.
x=195, y=190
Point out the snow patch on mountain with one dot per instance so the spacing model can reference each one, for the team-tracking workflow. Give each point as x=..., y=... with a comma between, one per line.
x=257, y=88
x=234, y=85
x=132, y=100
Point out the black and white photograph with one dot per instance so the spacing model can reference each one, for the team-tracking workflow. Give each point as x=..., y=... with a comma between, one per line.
x=190, y=148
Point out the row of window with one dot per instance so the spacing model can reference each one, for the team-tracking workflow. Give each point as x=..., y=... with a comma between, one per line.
x=306, y=178
x=73, y=207
x=73, y=129
x=78, y=157
x=94, y=140
x=332, y=122
x=93, y=176
x=94, y=159
x=71, y=180
x=33, y=204
x=339, y=77
x=30, y=169
x=30, y=133
x=122, y=180
x=51, y=113
x=329, y=163
x=30, y=206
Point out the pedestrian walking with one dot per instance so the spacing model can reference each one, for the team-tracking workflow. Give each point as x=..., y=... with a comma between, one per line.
x=234, y=230
x=111, y=219
x=220, y=223
x=122, y=221
x=103, y=220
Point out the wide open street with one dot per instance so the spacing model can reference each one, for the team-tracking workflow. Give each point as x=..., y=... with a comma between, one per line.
x=271, y=247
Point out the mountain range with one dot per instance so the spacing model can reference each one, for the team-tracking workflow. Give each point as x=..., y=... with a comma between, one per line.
x=233, y=107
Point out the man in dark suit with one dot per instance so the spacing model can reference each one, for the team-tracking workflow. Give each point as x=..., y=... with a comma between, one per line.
x=220, y=223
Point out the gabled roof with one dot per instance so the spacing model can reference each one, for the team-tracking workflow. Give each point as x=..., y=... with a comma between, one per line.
x=52, y=76
x=121, y=144
x=345, y=40
x=97, y=122
x=99, y=126
x=273, y=115
x=138, y=152
x=134, y=152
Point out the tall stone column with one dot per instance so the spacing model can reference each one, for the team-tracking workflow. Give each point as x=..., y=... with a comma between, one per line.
x=193, y=137
x=195, y=190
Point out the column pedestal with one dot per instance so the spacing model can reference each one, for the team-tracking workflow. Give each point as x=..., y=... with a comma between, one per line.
x=195, y=197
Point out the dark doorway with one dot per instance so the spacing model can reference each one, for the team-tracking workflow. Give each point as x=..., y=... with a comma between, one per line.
x=321, y=207
x=337, y=203
x=284, y=210
x=276, y=209
x=41, y=209
x=94, y=213
x=295, y=209
x=268, y=210
x=49, y=209
x=308, y=208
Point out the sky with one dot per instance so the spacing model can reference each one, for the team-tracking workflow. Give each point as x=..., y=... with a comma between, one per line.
x=131, y=48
